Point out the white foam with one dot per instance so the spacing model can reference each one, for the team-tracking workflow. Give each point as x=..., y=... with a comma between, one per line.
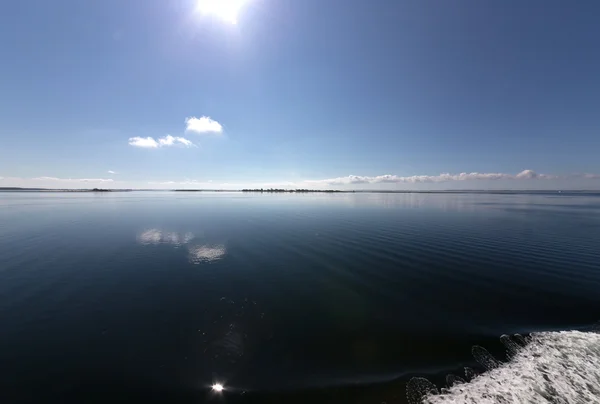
x=555, y=367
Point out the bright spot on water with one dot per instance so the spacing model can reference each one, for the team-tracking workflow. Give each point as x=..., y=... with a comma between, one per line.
x=217, y=387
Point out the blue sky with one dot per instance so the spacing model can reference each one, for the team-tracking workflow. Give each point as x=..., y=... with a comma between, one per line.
x=385, y=94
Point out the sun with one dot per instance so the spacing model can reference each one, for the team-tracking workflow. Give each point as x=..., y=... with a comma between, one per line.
x=227, y=10
x=218, y=387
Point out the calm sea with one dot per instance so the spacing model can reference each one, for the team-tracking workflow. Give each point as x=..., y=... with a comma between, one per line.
x=155, y=296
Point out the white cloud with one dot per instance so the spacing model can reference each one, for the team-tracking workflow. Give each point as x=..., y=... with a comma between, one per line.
x=203, y=124
x=73, y=179
x=445, y=177
x=151, y=143
x=172, y=140
x=161, y=183
x=112, y=172
x=527, y=174
x=146, y=142
x=184, y=182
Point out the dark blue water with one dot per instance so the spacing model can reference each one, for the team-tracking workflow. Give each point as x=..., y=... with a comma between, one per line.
x=154, y=296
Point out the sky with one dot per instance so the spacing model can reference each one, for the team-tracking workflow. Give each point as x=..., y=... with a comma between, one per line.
x=341, y=94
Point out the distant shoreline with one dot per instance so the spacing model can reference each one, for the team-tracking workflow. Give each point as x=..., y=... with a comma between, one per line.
x=306, y=191
x=15, y=189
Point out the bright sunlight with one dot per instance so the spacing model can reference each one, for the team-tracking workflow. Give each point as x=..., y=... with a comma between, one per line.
x=227, y=10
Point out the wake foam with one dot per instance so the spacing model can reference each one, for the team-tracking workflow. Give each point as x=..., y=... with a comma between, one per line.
x=549, y=367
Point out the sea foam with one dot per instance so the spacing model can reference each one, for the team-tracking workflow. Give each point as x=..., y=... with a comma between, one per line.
x=552, y=367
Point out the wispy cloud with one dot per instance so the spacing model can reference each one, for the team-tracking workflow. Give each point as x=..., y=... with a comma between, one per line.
x=203, y=124
x=112, y=172
x=146, y=142
x=184, y=182
x=151, y=143
x=73, y=179
x=446, y=177
x=172, y=140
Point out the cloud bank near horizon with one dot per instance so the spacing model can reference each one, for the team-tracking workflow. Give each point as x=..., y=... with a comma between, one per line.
x=73, y=179
x=444, y=177
x=527, y=179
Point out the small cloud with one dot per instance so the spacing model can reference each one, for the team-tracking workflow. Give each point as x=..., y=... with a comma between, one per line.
x=151, y=143
x=172, y=140
x=203, y=124
x=112, y=172
x=527, y=174
x=145, y=142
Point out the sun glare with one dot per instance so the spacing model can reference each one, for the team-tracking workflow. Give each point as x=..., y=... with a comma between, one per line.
x=227, y=10
x=218, y=387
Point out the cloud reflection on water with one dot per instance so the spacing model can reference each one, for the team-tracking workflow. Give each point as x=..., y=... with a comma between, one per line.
x=206, y=253
x=199, y=253
x=156, y=236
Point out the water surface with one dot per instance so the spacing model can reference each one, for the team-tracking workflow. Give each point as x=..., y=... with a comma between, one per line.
x=156, y=295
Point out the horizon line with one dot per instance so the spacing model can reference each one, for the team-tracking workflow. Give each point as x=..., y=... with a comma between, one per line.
x=294, y=190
